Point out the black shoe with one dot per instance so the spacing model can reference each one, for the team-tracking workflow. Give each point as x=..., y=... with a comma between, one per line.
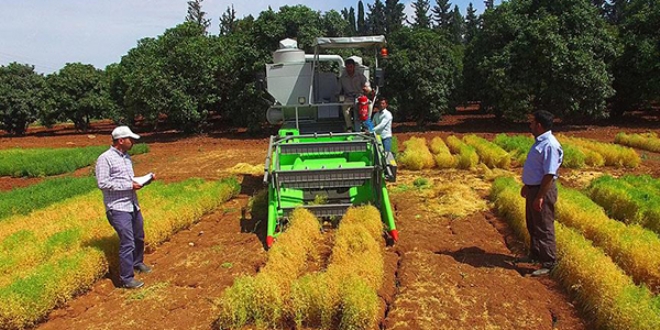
x=142, y=268
x=526, y=260
x=133, y=284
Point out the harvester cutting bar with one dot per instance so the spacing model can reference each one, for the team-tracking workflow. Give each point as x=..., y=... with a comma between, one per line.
x=325, y=147
x=322, y=211
x=324, y=178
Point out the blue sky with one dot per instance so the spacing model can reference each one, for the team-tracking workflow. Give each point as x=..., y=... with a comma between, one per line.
x=48, y=34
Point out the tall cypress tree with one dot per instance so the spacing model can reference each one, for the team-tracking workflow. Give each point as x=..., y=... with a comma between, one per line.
x=456, y=26
x=422, y=19
x=197, y=15
x=228, y=21
x=441, y=13
x=471, y=23
x=394, y=15
x=361, y=26
x=376, y=18
x=349, y=16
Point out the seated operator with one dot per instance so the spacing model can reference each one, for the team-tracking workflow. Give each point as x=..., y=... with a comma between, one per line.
x=352, y=85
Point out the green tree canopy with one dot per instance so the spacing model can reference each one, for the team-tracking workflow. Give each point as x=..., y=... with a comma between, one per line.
x=77, y=95
x=21, y=97
x=637, y=70
x=543, y=55
x=423, y=71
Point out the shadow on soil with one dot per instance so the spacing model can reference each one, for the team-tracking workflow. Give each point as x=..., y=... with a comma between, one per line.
x=479, y=258
x=254, y=216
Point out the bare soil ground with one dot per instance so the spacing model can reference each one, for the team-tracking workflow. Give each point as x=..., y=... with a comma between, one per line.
x=446, y=272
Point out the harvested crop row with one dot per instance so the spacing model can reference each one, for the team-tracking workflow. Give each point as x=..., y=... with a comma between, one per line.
x=466, y=155
x=489, y=153
x=46, y=162
x=47, y=235
x=601, y=287
x=648, y=141
x=263, y=299
x=441, y=154
x=626, y=202
x=417, y=155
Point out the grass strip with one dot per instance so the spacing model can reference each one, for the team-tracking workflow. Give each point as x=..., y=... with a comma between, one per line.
x=646, y=141
x=39, y=162
x=631, y=203
x=27, y=299
x=489, y=153
x=28, y=242
x=602, y=289
x=417, y=155
x=50, y=191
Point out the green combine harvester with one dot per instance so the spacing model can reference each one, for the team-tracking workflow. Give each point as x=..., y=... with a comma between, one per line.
x=312, y=162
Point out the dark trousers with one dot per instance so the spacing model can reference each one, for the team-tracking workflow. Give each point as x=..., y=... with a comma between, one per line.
x=130, y=228
x=541, y=225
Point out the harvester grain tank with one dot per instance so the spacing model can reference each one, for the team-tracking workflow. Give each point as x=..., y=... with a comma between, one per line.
x=313, y=162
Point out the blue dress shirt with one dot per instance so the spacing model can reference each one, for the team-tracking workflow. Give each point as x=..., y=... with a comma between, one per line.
x=545, y=157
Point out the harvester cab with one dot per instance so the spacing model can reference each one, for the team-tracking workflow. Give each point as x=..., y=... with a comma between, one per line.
x=312, y=162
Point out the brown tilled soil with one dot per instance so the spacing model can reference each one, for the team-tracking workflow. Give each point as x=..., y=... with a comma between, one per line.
x=446, y=272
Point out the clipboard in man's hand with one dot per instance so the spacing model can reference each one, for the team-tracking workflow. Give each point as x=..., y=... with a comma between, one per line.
x=144, y=180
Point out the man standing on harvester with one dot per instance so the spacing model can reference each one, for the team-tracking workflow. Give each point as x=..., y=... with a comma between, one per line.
x=352, y=84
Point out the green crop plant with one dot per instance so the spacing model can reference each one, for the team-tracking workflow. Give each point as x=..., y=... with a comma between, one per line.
x=638, y=204
x=417, y=155
x=37, y=196
x=602, y=289
x=628, y=246
x=489, y=153
x=517, y=145
x=315, y=300
x=395, y=145
x=46, y=162
x=442, y=155
x=643, y=181
x=78, y=226
x=29, y=298
x=466, y=156
x=647, y=141
x=574, y=157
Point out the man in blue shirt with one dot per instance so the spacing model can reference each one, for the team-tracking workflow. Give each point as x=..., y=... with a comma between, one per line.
x=114, y=176
x=540, y=191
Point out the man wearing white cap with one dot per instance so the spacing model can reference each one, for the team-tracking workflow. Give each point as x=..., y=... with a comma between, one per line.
x=114, y=176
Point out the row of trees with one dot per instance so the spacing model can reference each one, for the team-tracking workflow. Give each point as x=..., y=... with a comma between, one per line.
x=576, y=58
